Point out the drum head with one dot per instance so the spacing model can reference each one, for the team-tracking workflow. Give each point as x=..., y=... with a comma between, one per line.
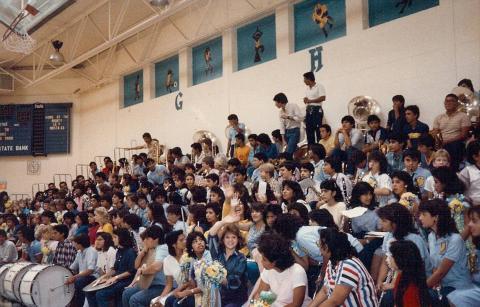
x=12, y=280
x=3, y=272
x=94, y=287
x=48, y=287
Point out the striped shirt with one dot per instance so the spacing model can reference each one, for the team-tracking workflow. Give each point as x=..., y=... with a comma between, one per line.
x=352, y=273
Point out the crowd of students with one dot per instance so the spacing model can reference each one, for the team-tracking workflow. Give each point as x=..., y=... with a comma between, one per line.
x=385, y=217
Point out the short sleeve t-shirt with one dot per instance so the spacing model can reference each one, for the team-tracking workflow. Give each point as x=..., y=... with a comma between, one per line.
x=451, y=247
x=283, y=283
x=171, y=267
x=352, y=273
x=379, y=181
x=161, y=253
x=315, y=92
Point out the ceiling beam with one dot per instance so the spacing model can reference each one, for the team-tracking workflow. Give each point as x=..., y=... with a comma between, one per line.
x=114, y=41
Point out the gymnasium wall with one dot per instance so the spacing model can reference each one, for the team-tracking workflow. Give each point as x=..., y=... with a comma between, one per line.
x=421, y=56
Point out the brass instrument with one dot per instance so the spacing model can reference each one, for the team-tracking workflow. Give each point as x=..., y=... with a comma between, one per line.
x=360, y=107
x=301, y=154
x=209, y=139
x=469, y=103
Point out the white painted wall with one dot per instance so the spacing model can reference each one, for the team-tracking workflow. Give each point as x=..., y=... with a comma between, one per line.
x=421, y=56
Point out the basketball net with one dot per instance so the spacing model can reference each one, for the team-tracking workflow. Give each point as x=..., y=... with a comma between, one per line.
x=18, y=40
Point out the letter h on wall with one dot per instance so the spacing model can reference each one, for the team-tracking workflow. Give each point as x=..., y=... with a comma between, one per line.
x=316, y=59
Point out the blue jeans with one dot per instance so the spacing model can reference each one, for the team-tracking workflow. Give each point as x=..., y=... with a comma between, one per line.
x=293, y=137
x=81, y=283
x=346, y=156
x=137, y=297
x=102, y=297
x=172, y=301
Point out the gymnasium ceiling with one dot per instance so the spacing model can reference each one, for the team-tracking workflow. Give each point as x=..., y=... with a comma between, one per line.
x=106, y=38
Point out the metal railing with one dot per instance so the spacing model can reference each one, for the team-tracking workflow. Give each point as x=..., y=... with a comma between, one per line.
x=19, y=196
x=57, y=178
x=38, y=187
x=82, y=169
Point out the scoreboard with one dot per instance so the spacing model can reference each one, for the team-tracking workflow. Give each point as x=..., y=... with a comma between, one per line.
x=35, y=129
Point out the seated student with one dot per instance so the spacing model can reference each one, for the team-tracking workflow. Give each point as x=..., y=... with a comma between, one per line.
x=242, y=151
x=231, y=165
x=471, y=296
x=65, y=252
x=208, y=166
x=120, y=276
x=211, y=180
x=252, y=142
x=327, y=139
x=8, y=252
x=84, y=267
x=440, y=158
x=316, y=154
x=470, y=175
x=136, y=296
x=267, y=174
x=225, y=242
x=265, y=146
x=309, y=186
x=213, y=214
x=189, y=293
x=332, y=201
x=174, y=218
x=277, y=140
x=376, y=135
x=292, y=193
x=426, y=146
x=447, y=248
x=180, y=158
x=197, y=154
x=394, y=155
x=106, y=253
x=133, y=223
x=258, y=159
x=377, y=177
x=332, y=167
x=156, y=173
x=31, y=248
x=347, y=281
x=348, y=139
x=282, y=275
x=397, y=221
x=286, y=171
x=359, y=159
x=410, y=288
x=240, y=176
x=414, y=128
x=411, y=159
x=176, y=243
x=396, y=117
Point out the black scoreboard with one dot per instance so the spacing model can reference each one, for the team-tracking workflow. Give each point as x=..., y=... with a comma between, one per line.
x=34, y=129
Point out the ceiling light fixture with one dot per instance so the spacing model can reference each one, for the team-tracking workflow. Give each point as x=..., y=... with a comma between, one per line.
x=57, y=57
x=162, y=4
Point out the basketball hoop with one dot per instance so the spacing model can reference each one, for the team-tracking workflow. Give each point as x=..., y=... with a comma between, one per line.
x=18, y=40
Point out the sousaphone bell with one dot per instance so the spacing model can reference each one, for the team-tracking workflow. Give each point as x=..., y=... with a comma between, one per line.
x=360, y=108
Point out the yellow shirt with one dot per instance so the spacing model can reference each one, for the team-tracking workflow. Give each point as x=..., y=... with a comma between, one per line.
x=242, y=153
x=108, y=228
x=329, y=144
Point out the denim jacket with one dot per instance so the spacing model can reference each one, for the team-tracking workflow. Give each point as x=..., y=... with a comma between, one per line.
x=236, y=288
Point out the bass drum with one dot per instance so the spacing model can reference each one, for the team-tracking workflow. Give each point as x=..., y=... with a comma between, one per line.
x=11, y=283
x=44, y=286
x=3, y=272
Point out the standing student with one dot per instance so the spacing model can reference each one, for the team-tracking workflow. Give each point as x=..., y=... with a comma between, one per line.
x=314, y=96
x=290, y=121
x=234, y=128
x=152, y=145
